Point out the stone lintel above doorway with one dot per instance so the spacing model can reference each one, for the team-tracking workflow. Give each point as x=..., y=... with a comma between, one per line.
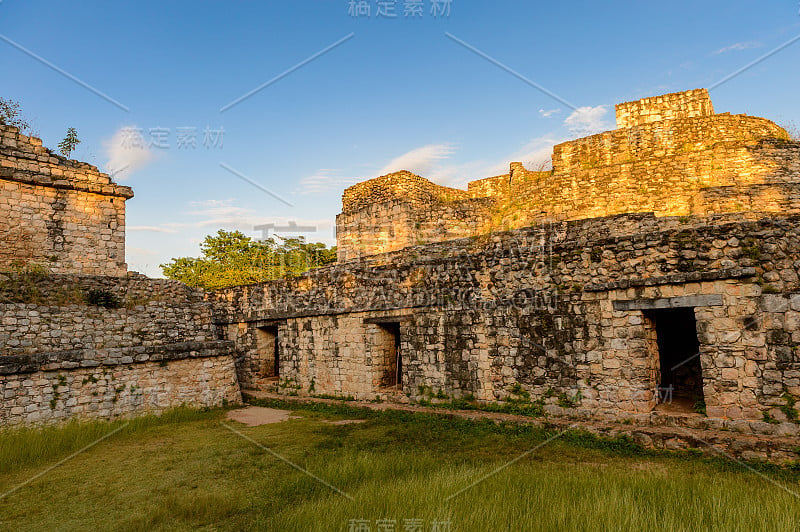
x=709, y=300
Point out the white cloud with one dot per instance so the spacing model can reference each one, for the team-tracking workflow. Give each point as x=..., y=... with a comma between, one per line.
x=325, y=180
x=548, y=113
x=587, y=120
x=126, y=151
x=141, y=251
x=151, y=228
x=419, y=160
x=536, y=153
x=221, y=213
x=748, y=45
x=422, y=161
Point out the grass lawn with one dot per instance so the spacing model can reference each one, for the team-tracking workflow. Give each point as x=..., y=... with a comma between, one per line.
x=187, y=471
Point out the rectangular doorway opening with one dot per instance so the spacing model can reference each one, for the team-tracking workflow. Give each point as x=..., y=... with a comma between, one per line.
x=268, y=352
x=680, y=379
x=392, y=361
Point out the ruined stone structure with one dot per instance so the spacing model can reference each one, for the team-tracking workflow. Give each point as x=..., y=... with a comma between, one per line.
x=671, y=156
x=79, y=335
x=652, y=272
x=656, y=263
x=58, y=211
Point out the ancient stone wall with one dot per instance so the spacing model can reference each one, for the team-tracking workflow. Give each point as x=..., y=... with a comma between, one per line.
x=605, y=174
x=399, y=185
x=87, y=346
x=539, y=307
x=403, y=209
x=686, y=104
x=61, y=213
x=393, y=225
x=108, y=392
x=671, y=156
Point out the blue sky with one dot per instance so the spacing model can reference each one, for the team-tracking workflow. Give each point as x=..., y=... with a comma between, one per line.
x=394, y=93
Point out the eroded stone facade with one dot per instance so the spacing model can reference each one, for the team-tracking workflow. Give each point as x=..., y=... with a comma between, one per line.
x=79, y=335
x=58, y=212
x=577, y=286
x=145, y=346
x=660, y=258
x=671, y=155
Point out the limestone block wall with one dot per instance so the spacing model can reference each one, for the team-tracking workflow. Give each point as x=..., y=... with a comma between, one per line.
x=61, y=213
x=335, y=354
x=537, y=307
x=686, y=104
x=145, y=346
x=671, y=155
x=53, y=396
x=398, y=185
x=490, y=187
x=672, y=168
x=393, y=225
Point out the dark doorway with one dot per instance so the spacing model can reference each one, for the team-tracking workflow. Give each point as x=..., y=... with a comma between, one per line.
x=681, y=375
x=392, y=361
x=268, y=345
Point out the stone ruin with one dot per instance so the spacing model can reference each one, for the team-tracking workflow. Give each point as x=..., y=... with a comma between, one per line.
x=650, y=274
x=80, y=336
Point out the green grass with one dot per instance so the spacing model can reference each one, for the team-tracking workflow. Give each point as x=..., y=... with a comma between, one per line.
x=186, y=471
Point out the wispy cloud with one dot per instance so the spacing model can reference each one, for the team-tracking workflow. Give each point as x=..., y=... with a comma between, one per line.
x=219, y=208
x=747, y=45
x=151, y=228
x=536, y=152
x=325, y=180
x=424, y=161
x=140, y=252
x=419, y=160
x=433, y=162
x=549, y=112
x=126, y=151
x=587, y=120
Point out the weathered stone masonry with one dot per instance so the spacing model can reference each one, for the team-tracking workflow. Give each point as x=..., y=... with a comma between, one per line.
x=59, y=212
x=478, y=317
x=579, y=308
x=141, y=345
x=64, y=358
x=660, y=257
x=671, y=156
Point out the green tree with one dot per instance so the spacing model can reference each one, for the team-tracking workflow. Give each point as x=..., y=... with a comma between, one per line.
x=10, y=115
x=69, y=143
x=231, y=258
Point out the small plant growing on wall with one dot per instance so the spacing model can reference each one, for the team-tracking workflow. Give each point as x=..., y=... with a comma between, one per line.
x=103, y=298
x=11, y=115
x=788, y=409
x=69, y=143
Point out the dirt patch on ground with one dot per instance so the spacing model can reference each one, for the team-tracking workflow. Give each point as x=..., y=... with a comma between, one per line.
x=253, y=416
